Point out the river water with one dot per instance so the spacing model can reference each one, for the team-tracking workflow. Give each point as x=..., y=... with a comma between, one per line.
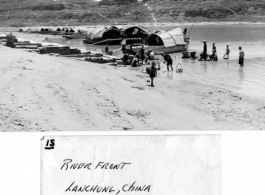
x=248, y=80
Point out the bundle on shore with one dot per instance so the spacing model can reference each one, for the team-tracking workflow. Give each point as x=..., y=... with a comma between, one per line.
x=100, y=60
x=65, y=50
x=55, y=49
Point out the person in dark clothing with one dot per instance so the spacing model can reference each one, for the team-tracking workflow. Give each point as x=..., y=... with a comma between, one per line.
x=153, y=73
x=241, y=57
x=214, y=56
x=226, y=56
x=168, y=60
x=107, y=49
x=123, y=48
x=185, y=31
x=214, y=49
x=126, y=59
x=204, y=47
x=203, y=55
x=142, y=54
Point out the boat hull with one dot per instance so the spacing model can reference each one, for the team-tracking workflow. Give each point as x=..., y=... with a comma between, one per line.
x=118, y=41
x=162, y=49
x=76, y=36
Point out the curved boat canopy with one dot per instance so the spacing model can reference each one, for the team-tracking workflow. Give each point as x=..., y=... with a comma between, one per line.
x=135, y=31
x=93, y=33
x=167, y=38
x=103, y=33
x=110, y=33
x=119, y=27
x=88, y=31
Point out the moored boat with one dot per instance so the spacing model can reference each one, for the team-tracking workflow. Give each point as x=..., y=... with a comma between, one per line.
x=171, y=41
x=97, y=35
x=114, y=35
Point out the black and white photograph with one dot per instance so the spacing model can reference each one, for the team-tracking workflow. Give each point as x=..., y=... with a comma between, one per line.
x=128, y=65
x=132, y=97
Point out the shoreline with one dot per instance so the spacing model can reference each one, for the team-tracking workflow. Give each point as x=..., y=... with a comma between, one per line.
x=47, y=93
x=144, y=24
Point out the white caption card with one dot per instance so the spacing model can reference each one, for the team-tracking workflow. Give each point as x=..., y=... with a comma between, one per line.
x=130, y=165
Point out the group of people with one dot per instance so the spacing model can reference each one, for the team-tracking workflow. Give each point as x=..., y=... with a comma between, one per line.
x=204, y=56
x=131, y=57
x=136, y=58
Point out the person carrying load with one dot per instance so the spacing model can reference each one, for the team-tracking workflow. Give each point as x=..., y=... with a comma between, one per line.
x=168, y=60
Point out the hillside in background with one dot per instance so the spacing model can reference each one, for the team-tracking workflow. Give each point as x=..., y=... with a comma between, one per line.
x=19, y=13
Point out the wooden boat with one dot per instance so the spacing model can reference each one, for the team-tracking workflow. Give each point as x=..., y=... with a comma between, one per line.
x=166, y=41
x=128, y=41
x=114, y=35
x=135, y=31
x=103, y=36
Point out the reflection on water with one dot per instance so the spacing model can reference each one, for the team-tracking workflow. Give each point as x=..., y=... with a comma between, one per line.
x=170, y=75
x=249, y=79
x=241, y=74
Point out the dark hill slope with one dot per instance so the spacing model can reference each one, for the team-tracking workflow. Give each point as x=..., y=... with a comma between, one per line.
x=77, y=12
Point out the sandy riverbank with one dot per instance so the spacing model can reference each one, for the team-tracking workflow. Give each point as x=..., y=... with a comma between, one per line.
x=45, y=93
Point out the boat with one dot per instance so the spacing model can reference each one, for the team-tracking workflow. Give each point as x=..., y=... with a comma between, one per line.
x=73, y=33
x=114, y=35
x=118, y=41
x=135, y=31
x=103, y=36
x=162, y=41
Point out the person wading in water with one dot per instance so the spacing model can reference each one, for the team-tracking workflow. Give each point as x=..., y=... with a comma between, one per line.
x=226, y=56
x=203, y=55
x=241, y=56
x=214, y=55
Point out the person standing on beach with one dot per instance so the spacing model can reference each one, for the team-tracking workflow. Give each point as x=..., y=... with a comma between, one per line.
x=168, y=60
x=142, y=54
x=153, y=73
x=226, y=56
x=123, y=48
x=241, y=56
